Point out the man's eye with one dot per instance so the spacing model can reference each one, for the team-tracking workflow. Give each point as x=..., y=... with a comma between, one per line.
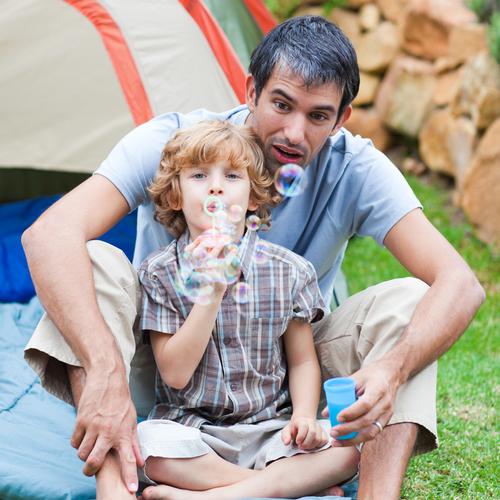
x=281, y=105
x=319, y=117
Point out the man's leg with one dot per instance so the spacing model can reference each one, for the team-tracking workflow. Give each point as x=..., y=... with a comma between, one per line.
x=109, y=483
x=359, y=332
x=386, y=457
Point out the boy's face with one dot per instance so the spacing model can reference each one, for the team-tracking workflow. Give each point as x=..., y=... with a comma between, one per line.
x=219, y=179
x=293, y=121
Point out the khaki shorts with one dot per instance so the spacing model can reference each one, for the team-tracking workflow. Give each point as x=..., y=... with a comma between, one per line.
x=251, y=446
x=358, y=332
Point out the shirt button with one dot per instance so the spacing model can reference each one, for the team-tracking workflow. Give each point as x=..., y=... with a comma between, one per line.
x=227, y=341
x=233, y=386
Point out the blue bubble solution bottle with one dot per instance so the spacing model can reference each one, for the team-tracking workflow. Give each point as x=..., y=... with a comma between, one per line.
x=340, y=393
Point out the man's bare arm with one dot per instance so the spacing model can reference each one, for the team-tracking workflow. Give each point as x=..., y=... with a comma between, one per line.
x=439, y=320
x=59, y=263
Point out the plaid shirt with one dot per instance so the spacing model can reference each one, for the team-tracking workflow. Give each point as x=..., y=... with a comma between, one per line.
x=242, y=375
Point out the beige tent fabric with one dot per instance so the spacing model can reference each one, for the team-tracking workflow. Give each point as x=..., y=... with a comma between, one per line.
x=177, y=66
x=61, y=104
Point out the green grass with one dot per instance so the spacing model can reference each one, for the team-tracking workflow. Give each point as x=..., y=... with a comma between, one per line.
x=466, y=464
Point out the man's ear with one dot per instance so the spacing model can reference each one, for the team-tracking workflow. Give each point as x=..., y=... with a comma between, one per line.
x=345, y=116
x=250, y=93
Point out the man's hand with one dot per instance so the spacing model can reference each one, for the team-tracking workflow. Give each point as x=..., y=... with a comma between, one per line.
x=376, y=387
x=107, y=419
x=305, y=431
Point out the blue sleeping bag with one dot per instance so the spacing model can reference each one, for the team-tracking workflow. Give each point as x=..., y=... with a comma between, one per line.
x=36, y=459
x=15, y=280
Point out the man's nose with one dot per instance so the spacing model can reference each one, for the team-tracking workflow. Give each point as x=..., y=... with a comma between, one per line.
x=295, y=130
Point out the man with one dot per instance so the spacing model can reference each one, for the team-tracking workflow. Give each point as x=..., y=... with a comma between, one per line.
x=303, y=77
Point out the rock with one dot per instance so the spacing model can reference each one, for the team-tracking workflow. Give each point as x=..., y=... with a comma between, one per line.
x=357, y=3
x=413, y=166
x=447, y=86
x=404, y=99
x=479, y=91
x=369, y=16
x=481, y=187
x=428, y=24
x=367, y=123
x=309, y=10
x=348, y=22
x=393, y=10
x=466, y=41
x=446, y=143
x=446, y=63
x=367, y=89
x=376, y=49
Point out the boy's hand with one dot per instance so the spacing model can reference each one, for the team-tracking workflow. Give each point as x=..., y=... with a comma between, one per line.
x=305, y=431
x=207, y=251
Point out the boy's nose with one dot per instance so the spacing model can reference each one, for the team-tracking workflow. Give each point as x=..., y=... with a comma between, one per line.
x=215, y=191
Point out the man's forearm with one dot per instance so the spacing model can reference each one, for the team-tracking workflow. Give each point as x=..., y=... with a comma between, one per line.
x=439, y=320
x=62, y=274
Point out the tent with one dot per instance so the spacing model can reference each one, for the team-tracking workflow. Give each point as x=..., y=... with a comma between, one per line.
x=77, y=75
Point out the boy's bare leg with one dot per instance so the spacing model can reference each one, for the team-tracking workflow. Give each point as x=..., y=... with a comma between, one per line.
x=108, y=479
x=384, y=461
x=199, y=473
x=289, y=477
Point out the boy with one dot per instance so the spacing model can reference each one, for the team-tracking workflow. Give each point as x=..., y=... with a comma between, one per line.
x=238, y=380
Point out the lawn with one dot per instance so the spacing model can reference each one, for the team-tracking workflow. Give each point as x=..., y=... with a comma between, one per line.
x=466, y=464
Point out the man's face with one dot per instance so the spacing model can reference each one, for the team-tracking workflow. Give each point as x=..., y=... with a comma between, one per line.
x=292, y=120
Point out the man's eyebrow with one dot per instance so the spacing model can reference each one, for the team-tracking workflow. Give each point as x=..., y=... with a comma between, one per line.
x=321, y=107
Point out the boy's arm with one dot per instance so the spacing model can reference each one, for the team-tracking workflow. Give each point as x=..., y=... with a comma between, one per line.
x=304, y=377
x=177, y=356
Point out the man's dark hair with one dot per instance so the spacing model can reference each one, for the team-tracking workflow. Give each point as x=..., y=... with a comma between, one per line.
x=311, y=48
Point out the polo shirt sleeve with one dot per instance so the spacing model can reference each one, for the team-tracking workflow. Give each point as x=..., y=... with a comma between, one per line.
x=308, y=303
x=380, y=194
x=133, y=162
x=157, y=311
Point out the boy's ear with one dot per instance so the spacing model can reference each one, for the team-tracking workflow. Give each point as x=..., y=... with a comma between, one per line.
x=252, y=206
x=174, y=202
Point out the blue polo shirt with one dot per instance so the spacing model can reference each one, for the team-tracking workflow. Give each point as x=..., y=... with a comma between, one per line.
x=352, y=189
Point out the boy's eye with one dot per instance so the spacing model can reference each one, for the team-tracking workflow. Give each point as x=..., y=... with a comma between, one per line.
x=232, y=175
x=198, y=175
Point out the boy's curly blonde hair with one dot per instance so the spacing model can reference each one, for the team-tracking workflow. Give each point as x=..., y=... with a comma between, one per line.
x=209, y=142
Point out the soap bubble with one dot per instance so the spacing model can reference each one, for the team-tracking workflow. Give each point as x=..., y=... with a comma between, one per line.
x=261, y=253
x=235, y=213
x=212, y=205
x=253, y=223
x=241, y=292
x=290, y=180
x=231, y=249
x=232, y=268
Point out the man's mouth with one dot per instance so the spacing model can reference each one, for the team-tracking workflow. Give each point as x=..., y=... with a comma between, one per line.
x=287, y=155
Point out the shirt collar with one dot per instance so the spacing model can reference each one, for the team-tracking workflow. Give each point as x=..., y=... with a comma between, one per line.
x=246, y=251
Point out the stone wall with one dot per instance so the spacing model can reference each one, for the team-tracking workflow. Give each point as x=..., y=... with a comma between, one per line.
x=426, y=73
